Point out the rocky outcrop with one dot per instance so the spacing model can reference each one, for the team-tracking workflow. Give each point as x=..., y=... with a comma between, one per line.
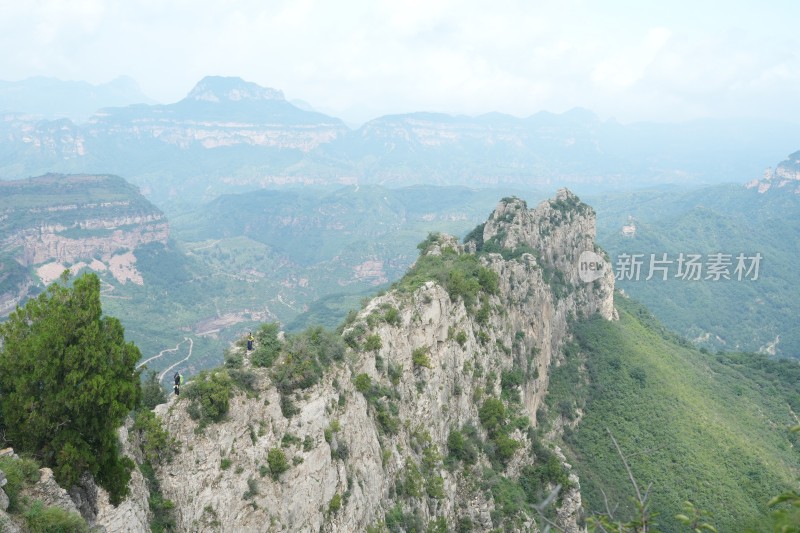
x=44, y=491
x=56, y=242
x=557, y=231
x=58, y=218
x=63, y=220
x=51, y=493
x=353, y=449
x=785, y=176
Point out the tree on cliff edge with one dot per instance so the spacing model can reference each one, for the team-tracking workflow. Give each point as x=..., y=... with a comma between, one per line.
x=67, y=381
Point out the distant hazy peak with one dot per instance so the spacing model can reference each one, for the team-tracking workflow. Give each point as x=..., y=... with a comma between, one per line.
x=231, y=89
x=785, y=176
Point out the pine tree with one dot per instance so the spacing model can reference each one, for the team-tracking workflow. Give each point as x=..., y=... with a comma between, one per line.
x=67, y=381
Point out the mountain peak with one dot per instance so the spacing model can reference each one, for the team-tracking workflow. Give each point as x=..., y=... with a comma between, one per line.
x=231, y=89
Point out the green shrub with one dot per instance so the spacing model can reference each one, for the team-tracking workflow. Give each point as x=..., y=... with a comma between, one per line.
x=341, y=451
x=353, y=335
x=430, y=240
x=437, y=525
x=233, y=358
x=252, y=489
x=276, y=461
x=373, y=343
x=335, y=503
x=19, y=472
x=41, y=519
x=158, y=445
x=387, y=422
x=492, y=414
x=397, y=520
x=267, y=345
x=410, y=483
x=510, y=380
x=392, y=316
x=288, y=440
x=434, y=487
x=464, y=525
x=420, y=357
x=363, y=383
x=395, y=373
x=461, y=338
x=225, y=463
x=482, y=316
x=152, y=392
x=461, y=448
x=209, y=393
x=639, y=375
x=161, y=509
x=288, y=408
x=245, y=380
x=509, y=498
x=504, y=447
x=307, y=354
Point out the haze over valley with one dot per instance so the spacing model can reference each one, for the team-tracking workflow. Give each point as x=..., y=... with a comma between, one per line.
x=431, y=267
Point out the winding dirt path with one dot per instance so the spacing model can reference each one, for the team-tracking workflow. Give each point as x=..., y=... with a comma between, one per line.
x=162, y=352
x=191, y=345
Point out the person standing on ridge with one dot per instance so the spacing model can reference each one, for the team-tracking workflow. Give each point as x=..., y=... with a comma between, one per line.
x=178, y=381
x=250, y=340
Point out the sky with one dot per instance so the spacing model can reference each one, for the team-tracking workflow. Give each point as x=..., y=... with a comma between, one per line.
x=626, y=60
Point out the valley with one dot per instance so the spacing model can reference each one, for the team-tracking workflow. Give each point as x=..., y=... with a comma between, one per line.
x=428, y=355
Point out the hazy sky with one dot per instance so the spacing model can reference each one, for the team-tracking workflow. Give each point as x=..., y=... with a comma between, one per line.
x=634, y=60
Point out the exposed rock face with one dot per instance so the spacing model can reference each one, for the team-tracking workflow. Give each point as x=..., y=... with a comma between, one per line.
x=41, y=139
x=439, y=358
x=63, y=220
x=50, y=493
x=52, y=242
x=786, y=176
x=132, y=514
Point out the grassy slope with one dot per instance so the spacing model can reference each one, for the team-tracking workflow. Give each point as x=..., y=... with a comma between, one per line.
x=697, y=428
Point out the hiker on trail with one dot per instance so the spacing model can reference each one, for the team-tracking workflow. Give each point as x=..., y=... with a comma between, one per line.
x=250, y=340
x=178, y=381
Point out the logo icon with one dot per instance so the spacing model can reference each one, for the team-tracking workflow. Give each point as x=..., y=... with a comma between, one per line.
x=591, y=266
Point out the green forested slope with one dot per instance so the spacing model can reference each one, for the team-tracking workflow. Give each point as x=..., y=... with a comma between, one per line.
x=729, y=219
x=708, y=429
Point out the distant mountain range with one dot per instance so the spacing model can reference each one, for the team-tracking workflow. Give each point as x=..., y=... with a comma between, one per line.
x=229, y=135
x=52, y=99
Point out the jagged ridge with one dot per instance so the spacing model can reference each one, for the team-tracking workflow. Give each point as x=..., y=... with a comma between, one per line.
x=465, y=352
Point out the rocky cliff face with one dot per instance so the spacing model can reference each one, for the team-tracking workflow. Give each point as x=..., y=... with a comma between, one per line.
x=53, y=222
x=373, y=441
x=49, y=141
x=785, y=176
